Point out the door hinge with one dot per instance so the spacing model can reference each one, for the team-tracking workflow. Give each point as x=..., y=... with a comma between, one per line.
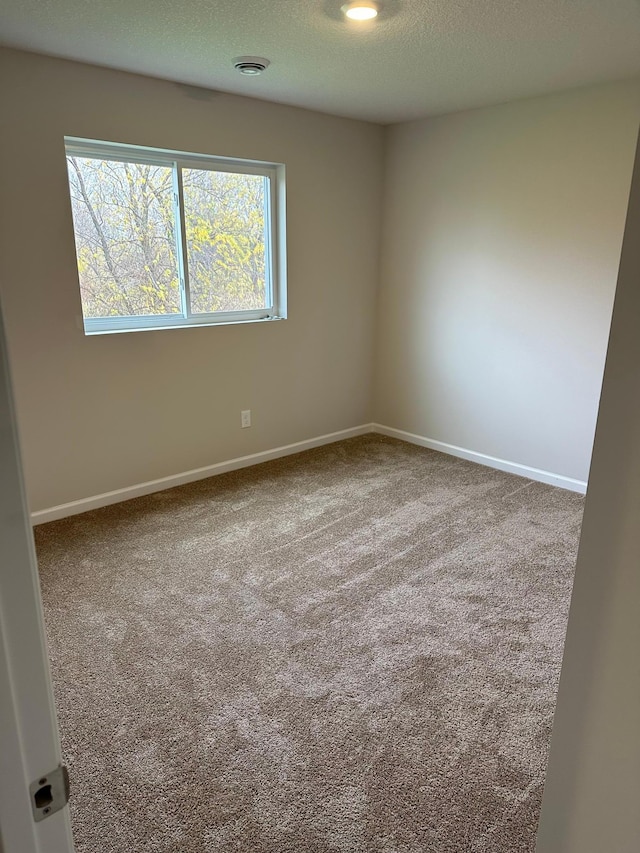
x=49, y=793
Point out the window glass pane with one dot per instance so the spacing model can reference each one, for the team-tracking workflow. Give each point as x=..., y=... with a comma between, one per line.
x=225, y=230
x=123, y=216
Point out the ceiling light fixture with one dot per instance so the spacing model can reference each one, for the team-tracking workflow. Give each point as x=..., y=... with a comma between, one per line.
x=361, y=10
x=250, y=65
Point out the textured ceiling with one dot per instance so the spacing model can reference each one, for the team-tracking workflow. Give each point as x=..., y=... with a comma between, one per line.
x=421, y=57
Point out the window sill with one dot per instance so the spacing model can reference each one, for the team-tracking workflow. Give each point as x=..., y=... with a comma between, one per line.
x=165, y=327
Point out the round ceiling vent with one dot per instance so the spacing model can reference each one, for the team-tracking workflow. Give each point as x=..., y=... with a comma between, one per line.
x=250, y=65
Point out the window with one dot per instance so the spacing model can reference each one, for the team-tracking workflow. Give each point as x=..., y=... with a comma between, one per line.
x=166, y=239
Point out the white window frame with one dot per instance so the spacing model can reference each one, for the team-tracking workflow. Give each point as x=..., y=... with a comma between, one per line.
x=275, y=245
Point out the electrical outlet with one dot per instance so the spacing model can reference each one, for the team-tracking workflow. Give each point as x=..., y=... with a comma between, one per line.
x=245, y=418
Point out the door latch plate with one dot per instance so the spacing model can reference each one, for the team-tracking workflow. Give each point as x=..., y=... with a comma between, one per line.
x=49, y=793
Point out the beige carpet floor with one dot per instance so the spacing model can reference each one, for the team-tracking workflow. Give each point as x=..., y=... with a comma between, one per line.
x=354, y=649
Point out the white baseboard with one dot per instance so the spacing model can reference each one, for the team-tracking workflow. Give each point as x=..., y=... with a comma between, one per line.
x=96, y=501
x=482, y=459
x=85, y=504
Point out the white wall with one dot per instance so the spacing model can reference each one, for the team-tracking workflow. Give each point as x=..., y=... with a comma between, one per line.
x=102, y=413
x=592, y=792
x=502, y=236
